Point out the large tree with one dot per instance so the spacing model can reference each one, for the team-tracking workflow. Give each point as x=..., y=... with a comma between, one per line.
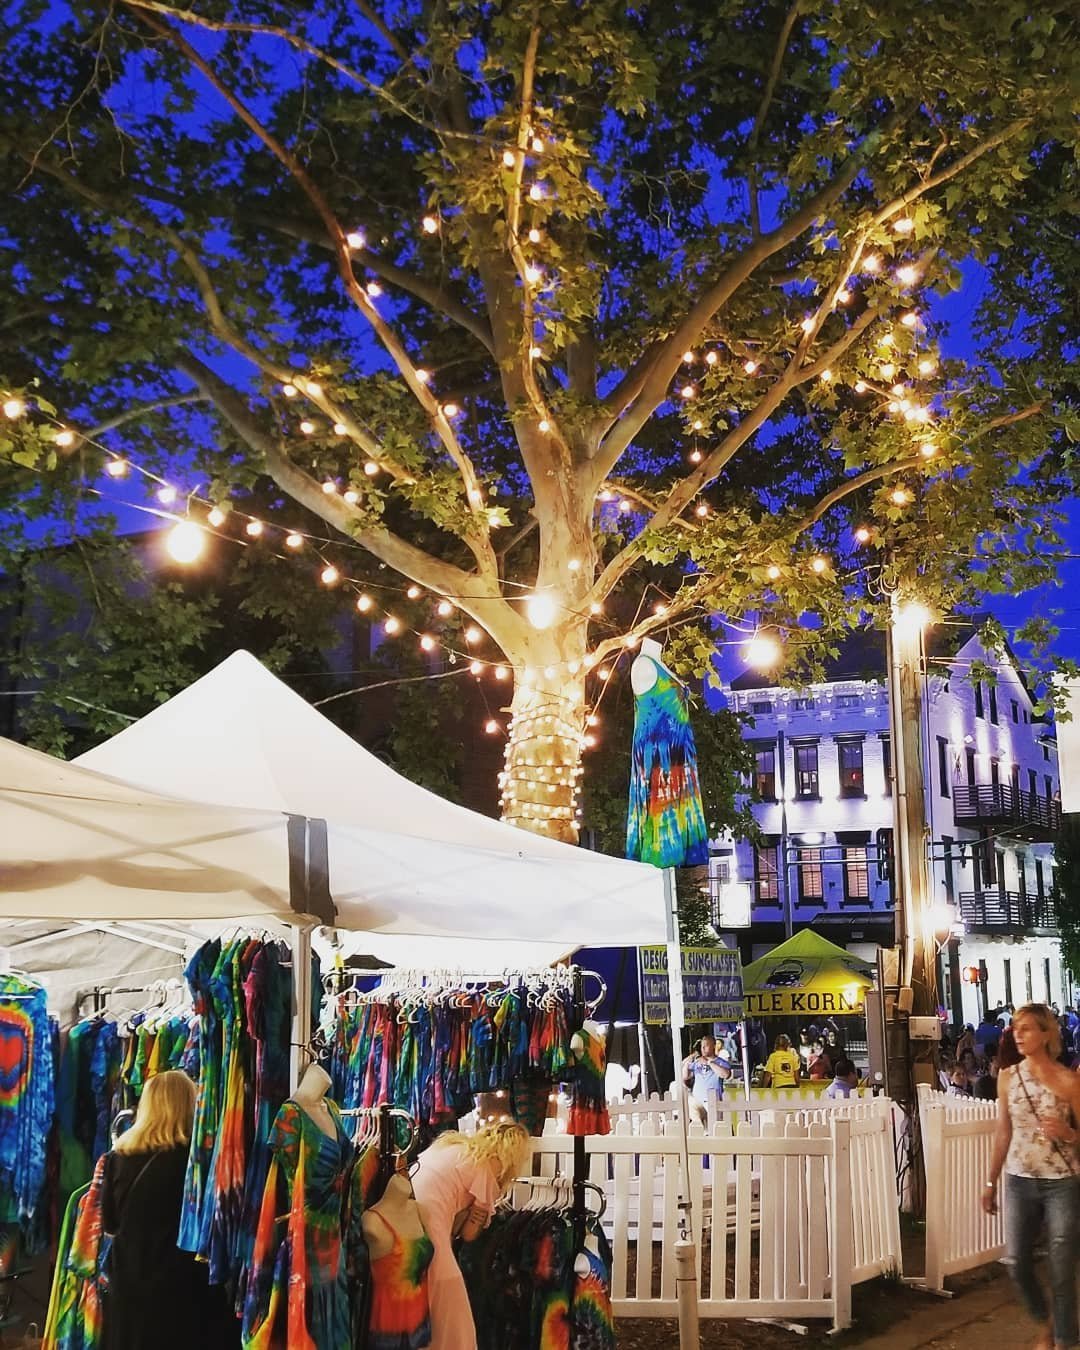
x=529, y=300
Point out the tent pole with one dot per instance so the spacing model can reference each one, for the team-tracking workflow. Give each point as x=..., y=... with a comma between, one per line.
x=300, y=1039
x=685, y=1251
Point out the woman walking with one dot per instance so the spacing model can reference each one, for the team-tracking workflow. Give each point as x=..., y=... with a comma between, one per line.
x=1037, y=1143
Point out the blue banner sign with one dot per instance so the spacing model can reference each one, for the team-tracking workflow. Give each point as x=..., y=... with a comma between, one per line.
x=712, y=985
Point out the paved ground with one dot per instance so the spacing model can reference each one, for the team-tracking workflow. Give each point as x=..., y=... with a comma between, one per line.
x=989, y=1317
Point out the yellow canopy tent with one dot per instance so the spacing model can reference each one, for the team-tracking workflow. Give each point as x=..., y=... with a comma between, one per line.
x=806, y=974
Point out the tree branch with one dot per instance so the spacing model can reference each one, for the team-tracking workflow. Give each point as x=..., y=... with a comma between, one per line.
x=763, y=109
x=384, y=31
x=140, y=410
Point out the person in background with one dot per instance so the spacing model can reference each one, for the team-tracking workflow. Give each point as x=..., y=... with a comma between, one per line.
x=1037, y=1146
x=806, y=1046
x=966, y=1040
x=158, y=1296
x=821, y=1065
x=457, y=1182
x=782, y=1066
x=959, y=1086
x=845, y=1081
x=703, y=1071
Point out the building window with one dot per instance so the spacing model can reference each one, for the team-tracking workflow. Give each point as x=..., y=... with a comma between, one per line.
x=848, y=700
x=995, y=772
x=1049, y=782
x=765, y=773
x=886, y=763
x=969, y=756
x=1007, y=964
x=984, y=851
x=766, y=873
x=1046, y=977
x=811, y=883
x=1046, y=752
x=851, y=769
x=993, y=704
x=950, y=877
x=802, y=704
x=1021, y=875
x=1040, y=880
x=1014, y=775
x=979, y=701
x=1015, y=710
x=806, y=771
x=761, y=706
x=1033, y=782
x=943, y=765
x=856, y=874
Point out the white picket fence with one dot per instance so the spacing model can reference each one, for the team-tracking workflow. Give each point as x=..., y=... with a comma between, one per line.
x=958, y=1139
x=786, y=1213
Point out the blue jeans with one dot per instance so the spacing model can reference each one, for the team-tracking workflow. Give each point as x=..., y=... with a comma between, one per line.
x=1031, y=1203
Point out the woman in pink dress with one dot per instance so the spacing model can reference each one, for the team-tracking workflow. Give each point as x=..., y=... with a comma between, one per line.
x=457, y=1183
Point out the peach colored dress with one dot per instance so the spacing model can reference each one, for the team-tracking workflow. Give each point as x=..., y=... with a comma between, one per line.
x=448, y=1181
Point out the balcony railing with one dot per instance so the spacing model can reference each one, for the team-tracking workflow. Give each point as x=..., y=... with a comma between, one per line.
x=1026, y=814
x=996, y=911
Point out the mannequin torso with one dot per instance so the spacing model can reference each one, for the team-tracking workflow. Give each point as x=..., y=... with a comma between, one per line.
x=643, y=671
x=310, y=1096
x=396, y=1213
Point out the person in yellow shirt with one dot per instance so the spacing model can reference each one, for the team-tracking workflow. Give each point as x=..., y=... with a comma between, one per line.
x=782, y=1066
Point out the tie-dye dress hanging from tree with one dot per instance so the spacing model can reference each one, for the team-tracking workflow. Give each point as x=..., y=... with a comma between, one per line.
x=666, y=823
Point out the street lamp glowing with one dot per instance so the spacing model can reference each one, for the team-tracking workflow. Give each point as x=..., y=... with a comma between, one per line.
x=912, y=615
x=185, y=542
x=762, y=652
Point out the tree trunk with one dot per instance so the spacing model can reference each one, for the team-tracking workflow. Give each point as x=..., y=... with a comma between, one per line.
x=545, y=737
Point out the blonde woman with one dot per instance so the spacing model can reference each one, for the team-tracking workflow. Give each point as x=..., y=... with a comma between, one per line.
x=457, y=1183
x=158, y=1297
x=1037, y=1144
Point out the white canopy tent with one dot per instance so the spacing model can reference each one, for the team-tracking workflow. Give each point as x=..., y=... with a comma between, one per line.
x=417, y=875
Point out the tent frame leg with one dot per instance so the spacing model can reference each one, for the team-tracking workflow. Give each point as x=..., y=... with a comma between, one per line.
x=300, y=1055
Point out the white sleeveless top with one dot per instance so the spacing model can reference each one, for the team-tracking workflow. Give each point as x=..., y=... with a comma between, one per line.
x=1031, y=1154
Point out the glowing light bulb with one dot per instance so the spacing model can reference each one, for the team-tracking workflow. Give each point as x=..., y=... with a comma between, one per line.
x=422, y=376
x=871, y=263
x=450, y=409
x=574, y=565
x=885, y=340
x=307, y=427
x=860, y=386
x=904, y=225
x=414, y=592
x=329, y=487
x=371, y=468
x=364, y=603
x=544, y=424
x=695, y=456
x=541, y=609
x=314, y=389
x=535, y=353
x=500, y=672
x=356, y=239
x=391, y=625
x=888, y=370
x=509, y=158
x=762, y=651
x=913, y=615
x=625, y=506
x=659, y=610
x=773, y=572
x=166, y=495
x=340, y=428
x=862, y=535
x=928, y=449
x=116, y=468
x=701, y=510
x=294, y=540
x=910, y=319
x=907, y=275
x=900, y=496
x=65, y=438
x=898, y=389
x=373, y=289
x=330, y=576
x=351, y=496
x=807, y=324
x=588, y=741
x=843, y=295
x=534, y=236
x=751, y=367
x=927, y=366
x=493, y=520
x=818, y=564
x=444, y=609
x=826, y=376
x=536, y=193
x=687, y=391
x=429, y=225
x=533, y=274
x=476, y=668
x=254, y=528
x=491, y=726
x=14, y=408
x=427, y=642
x=711, y=358
x=596, y=607
x=472, y=635
x=698, y=424
x=289, y=390
x=185, y=542
x=215, y=517
x=688, y=358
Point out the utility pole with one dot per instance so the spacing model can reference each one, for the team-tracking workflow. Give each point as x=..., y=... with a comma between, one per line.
x=914, y=912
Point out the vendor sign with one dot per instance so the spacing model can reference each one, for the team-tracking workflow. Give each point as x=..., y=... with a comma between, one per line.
x=806, y=976
x=712, y=985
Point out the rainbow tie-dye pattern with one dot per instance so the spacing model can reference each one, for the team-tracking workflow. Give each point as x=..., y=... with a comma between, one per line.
x=27, y=1099
x=665, y=821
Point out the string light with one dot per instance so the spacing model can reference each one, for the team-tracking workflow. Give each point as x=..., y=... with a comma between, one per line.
x=534, y=235
x=294, y=540
x=899, y=389
x=329, y=487
x=701, y=510
x=535, y=353
x=289, y=390
x=862, y=534
x=374, y=290
x=254, y=528
x=751, y=367
x=537, y=145
x=544, y=425
x=843, y=295
x=711, y=358
x=371, y=468
x=414, y=592
x=185, y=542
x=356, y=239
x=904, y=225
x=216, y=517
x=826, y=376
x=500, y=672
x=888, y=370
x=907, y=275
x=596, y=607
x=927, y=366
x=476, y=668
x=818, y=564
x=695, y=456
x=14, y=409
x=429, y=225
x=872, y=263
x=65, y=438
x=688, y=358
x=541, y=609
x=340, y=428
x=391, y=625
x=117, y=468
x=472, y=636
x=900, y=496
x=603, y=674
x=687, y=391
x=860, y=386
x=536, y=192
x=625, y=506
x=166, y=495
x=509, y=158
x=450, y=409
x=351, y=496
x=762, y=652
x=910, y=319
x=427, y=642
x=422, y=376
x=807, y=324
x=444, y=609
x=491, y=726
x=928, y=449
x=364, y=603
x=533, y=274
x=773, y=572
x=330, y=576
